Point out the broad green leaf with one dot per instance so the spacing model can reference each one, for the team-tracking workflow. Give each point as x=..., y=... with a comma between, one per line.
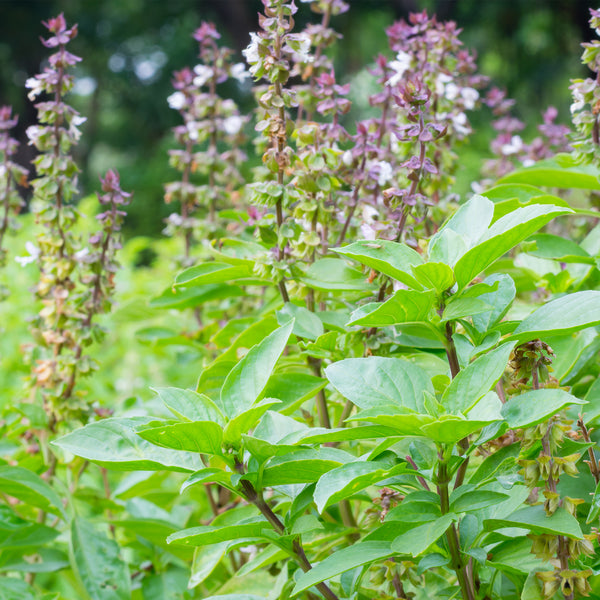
x=415, y=541
x=390, y=258
x=595, y=507
x=447, y=247
x=449, y=429
x=502, y=236
x=205, y=437
x=405, y=306
x=206, y=535
x=206, y=559
x=306, y=323
x=532, y=589
x=533, y=407
x=403, y=424
x=503, y=459
x=563, y=315
x=476, y=379
x=459, y=308
x=236, y=252
x=189, y=405
x=246, y=381
x=560, y=171
x=500, y=300
x=362, y=553
x=329, y=274
x=515, y=558
x=303, y=466
x=349, y=479
x=167, y=585
x=245, y=421
x=417, y=507
x=48, y=560
x=16, y=589
x=321, y=435
x=293, y=389
x=473, y=500
x=536, y=520
x=30, y=488
x=554, y=247
x=113, y=443
x=376, y=380
x=212, y=272
x=275, y=427
x=434, y=275
x=208, y=475
x=181, y=298
x=97, y=563
x=25, y=534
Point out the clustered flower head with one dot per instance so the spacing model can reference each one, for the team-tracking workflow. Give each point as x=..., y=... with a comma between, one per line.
x=585, y=108
x=210, y=137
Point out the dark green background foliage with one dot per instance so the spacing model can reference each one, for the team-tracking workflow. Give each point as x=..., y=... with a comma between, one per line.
x=131, y=47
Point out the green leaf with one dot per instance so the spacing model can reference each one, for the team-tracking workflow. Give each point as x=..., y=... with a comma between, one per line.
x=390, y=258
x=16, y=589
x=595, y=507
x=403, y=424
x=459, y=308
x=208, y=475
x=535, y=519
x=376, y=380
x=500, y=300
x=533, y=407
x=415, y=541
x=560, y=171
x=563, y=315
x=554, y=247
x=235, y=597
x=321, y=435
x=205, y=437
x=30, y=488
x=349, y=479
x=212, y=272
x=362, y=553
x=191, y=297
x=502, y=236
x=449, y=429
x=306, y=324
x=293, y=389
x=206, y=535
x=473, y=500
x=206, y=559
x=25, y=534
x=476, y=379
x=247, y=380
x=405, y=306
x=189, y=405
x=329, y=274
x=447, y=247
x=113, y=443
x=434, y=275
x=97, y=563
x=245, y=421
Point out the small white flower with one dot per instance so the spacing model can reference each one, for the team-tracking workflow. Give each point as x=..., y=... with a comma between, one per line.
x=78, y=120
x=192, y=129
x=233, y=124
x=470, y=97
x=399, y=66
x=2, y=171
x=461, y=124
x=176, y=100
x=33, y=132
x=33, y=251
x=440, y=83
x=238, y=71
x=203, y=74
x=515, y=145
x=367, y=232
x=451, y=91
x=303, y=53
x=579, y=100
x=347, y=159
x=36, y=87
x=251, y=53
x=477, y=188
x=81, y=254
x=369, y=214
x=174, y=219
x=385, y=172
x=528, y=162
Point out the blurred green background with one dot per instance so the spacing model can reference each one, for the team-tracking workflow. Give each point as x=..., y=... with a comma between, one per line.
x=131, y=47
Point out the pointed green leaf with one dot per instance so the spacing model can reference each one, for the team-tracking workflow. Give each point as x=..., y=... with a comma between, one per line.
x=405, y=306
x=459, y=308
x=212, y=272
x=208, y=475
x=563, y=315
x=390, y=258
x=16, y=589
x=535, y=519
x=189, y=405
x=181, y=298
x=97, y=563
x=206, y=534
x=502, y=236
x=321, y=435
x=373, y=381
x=246, y=381
x=293, y=389
x=205, y=437
x=329, y=274
x=206, y=559
x=595, y=507
x=415, y=541
x=388, y=416
x=554, y=247
x=113, y=443
x=473, y=500
x=362, y=553
x=531, y=408
x=245, y=421
x=500, y=300
x=306, y=323
x=449, y=429
x=476, y=379
x=434, y=275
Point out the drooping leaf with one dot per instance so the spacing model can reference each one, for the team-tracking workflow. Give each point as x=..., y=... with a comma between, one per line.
x=359, y=554
x=113, y=443
x=405, y=306
x=564, y=315
x=376, y=380
x=247, y=380
x=533, y=407
x=97, y=563
x=189, y=405
x=390, y=258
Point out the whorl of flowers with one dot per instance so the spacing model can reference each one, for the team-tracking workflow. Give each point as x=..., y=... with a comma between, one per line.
x=586, y=99
x=211, y=136
x=11, y=175
x=73, y=284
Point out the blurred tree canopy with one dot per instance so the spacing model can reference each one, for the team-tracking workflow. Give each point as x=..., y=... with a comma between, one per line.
x=131, y=47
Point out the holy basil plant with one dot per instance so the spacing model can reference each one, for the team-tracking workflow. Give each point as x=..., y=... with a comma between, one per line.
x=457, y=449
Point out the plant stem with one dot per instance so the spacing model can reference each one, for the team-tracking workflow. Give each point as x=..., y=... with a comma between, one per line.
x=592, y=463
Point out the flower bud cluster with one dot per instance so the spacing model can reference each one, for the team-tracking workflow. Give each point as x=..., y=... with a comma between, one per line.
x=11, y=176
x=211, y=137
x=585, y=108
